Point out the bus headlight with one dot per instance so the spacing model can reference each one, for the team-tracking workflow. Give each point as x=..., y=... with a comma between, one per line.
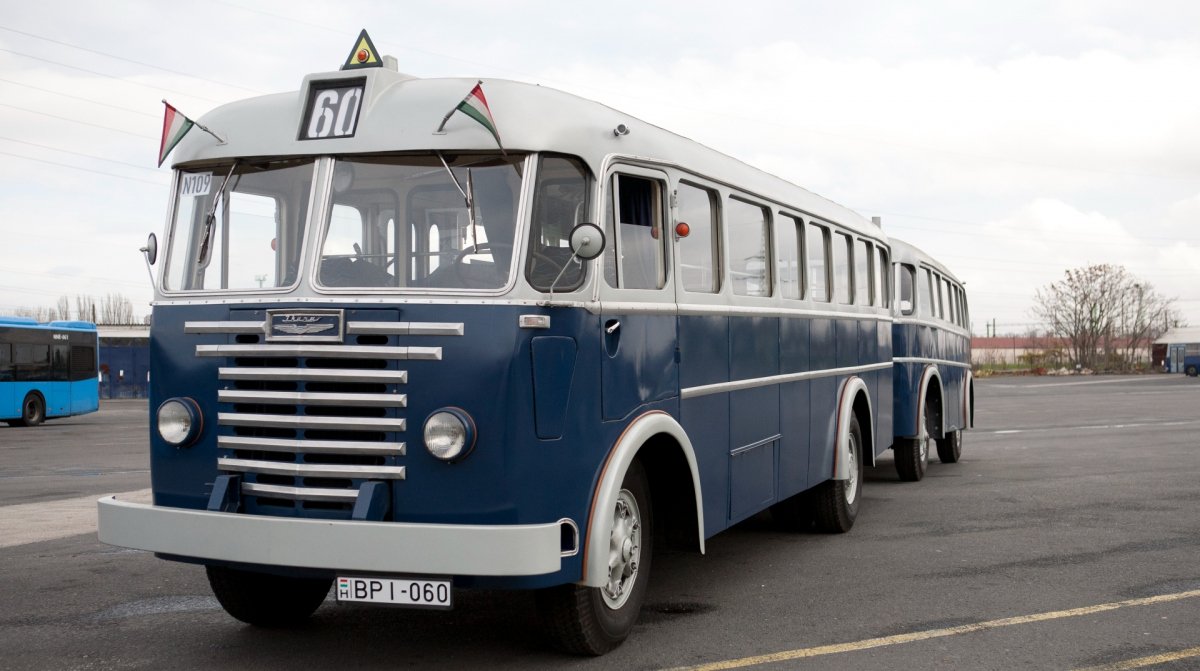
x=449, y=434
x=179, y=421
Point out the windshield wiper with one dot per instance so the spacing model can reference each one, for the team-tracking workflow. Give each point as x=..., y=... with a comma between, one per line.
x=210, y=221
x=468, y=195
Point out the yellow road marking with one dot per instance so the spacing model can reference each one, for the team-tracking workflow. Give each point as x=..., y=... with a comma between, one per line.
x=1146, y=661
x=869, y=643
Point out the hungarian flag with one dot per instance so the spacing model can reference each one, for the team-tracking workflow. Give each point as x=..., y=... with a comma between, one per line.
x=475, y=105
x=175, y=126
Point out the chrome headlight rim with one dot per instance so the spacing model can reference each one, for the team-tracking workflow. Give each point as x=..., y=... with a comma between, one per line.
x=182, y=410
x=468, y=438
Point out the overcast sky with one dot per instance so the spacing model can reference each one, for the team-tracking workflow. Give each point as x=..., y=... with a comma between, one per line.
x=1010, y=140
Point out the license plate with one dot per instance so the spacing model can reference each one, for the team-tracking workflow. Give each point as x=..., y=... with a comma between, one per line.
x=395, y=591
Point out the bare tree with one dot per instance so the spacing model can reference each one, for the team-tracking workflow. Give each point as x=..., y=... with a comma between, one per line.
x=1106, y=314
x=115, y=308
x=63, y=308
x=85, y=307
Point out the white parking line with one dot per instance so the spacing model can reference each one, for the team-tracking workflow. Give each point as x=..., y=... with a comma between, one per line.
x=49, y=520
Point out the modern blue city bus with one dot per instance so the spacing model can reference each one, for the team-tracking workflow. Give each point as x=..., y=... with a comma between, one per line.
x=931, y=339
x=47, y=370
x=393, y=357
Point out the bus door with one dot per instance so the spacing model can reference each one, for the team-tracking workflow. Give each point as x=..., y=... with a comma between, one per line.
x=637, y=300
x=704, y=341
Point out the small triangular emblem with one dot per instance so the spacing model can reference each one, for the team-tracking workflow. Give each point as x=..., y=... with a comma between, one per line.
x=364, y=54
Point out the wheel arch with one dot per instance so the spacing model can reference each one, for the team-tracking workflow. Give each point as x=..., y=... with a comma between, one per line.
x=853, y=400
x=931, y=383
x=664, y=449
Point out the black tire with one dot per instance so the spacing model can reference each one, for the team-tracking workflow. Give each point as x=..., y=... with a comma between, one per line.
x=33, y=411
x=1191, y=371
x=949, y=447
x=267, y=600
x=912, y=454
x=594, y=620
x=836, y=502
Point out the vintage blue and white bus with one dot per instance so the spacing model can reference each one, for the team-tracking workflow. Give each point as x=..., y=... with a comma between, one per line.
x=931, y=339
x=47, y=370
x=404, y=361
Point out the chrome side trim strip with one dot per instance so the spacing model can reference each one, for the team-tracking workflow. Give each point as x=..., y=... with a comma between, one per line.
x=405, y=328
x=329, y=351
x=314, y=374
x=310, y=470
x=736, y=385
x=310, y=446
x=311, y=422
x=301, y=493
x=940, y=362
x=312, y=398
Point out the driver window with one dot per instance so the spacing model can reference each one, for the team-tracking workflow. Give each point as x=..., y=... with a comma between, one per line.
x=560, y=203
x=634, y=219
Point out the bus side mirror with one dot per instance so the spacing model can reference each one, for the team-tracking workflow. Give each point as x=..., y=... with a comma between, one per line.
x=151, y=249
x=587, y=241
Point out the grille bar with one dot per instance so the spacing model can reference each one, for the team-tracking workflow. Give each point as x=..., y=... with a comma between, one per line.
x=312, y=398
x=238, y=328
x=301, y=493
x=311, y=470
x=405, y=328
x=310, y=422
x=327, y=351
x=310, y=446
x=314, y=374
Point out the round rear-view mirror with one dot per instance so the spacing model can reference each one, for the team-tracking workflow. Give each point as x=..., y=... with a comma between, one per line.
x=587, y=241
x=151, y=249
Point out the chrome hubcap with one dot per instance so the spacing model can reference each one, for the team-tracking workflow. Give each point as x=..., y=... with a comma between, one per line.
x=624, y=550
x=852, y=481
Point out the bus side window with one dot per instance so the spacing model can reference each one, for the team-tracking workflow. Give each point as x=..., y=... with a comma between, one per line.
x=925, y=294
x=817, y=243
x=749, y=248
x=863, y=275
x=788, y=255
x=842, y=280
x=6, y=367
x=696, y=207
x=883, y=292
x=908, y=277
x=560, y=202
x=637, y=216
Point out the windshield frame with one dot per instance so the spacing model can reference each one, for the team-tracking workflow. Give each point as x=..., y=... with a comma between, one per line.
x=324, y=210
x=174, y=228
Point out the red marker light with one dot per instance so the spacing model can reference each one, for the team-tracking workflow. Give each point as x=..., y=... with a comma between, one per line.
x=682, y=229
x=362, y=56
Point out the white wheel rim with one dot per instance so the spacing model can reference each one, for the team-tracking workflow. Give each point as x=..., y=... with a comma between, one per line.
x=624, y=550
x=852, y=481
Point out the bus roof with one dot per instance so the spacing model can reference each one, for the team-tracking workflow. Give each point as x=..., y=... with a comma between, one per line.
x=26, y=322
x=903, y=252
x=401, y=113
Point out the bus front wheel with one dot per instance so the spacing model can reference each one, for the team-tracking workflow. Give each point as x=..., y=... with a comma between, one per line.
x=267, y=600
x=33, y=411
x=594, y=620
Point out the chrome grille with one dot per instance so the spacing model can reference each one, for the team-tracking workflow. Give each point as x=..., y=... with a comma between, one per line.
x=306, y=424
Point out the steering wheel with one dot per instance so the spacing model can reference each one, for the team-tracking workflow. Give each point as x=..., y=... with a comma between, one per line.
x=481, y=275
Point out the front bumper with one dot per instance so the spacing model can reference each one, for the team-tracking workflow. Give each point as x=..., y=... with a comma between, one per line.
x=383, y=547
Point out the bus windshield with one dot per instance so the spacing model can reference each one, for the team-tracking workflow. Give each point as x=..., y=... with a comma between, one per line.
x=404, y=222
x=239, y=225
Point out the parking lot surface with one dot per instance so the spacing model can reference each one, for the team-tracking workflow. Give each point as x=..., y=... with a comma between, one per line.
x=1068, y=537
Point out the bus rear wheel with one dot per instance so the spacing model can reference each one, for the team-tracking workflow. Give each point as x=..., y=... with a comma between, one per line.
x=836, y=502
x=949, y=447
x=912, y=454
x=594, y=620
x=1191, y=371
x=267, y=600
x=33, y=411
